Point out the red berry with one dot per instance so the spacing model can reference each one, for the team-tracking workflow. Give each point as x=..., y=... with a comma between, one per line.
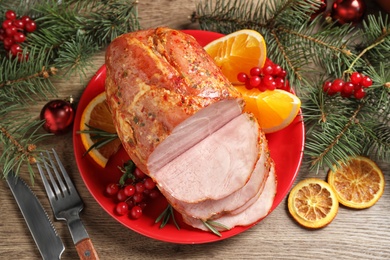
x=15, y=49
x=112, y=189
x=282, y=74
x=366, y=81
x=11, y=30
x=30, y=26
x=277, y=70
x=8, y=42
x=154, y=194
x=10, y=15
x=268, y=81
x=19, y=37
x=248, y=84
x=149, y=184
x=337, y=85
x=18, y=24
x=142, y=205
x=122, y=208
x=138, y=197
x=356, y=77
x=121, y=196
x=359, y=94
x=348, y=89
x=139, y=187
x=129, y=190
x=255, y=81
x=6, y=24
x=279, y=82
x=22, y=57
x=139, y=174
x=242, y=77
x=262, y=87
x=267, y=69
x=136, y=212
x=255, y=71
x=25, y=19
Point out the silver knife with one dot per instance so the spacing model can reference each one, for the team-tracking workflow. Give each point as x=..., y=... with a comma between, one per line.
x=45, y=236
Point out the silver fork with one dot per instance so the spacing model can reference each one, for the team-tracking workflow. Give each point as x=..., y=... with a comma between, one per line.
x=65, y=202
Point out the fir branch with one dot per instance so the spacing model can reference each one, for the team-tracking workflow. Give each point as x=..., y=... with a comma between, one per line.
x=68, y=34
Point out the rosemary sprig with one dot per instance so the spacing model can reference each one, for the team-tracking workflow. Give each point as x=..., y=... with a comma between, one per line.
x=100, y=136
x=213, y=225
x=165, y=216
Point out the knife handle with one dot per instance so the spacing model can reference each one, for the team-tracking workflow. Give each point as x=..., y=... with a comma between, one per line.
x=86, y=250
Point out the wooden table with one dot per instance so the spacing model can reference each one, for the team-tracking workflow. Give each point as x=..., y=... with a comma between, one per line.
x=354, y=234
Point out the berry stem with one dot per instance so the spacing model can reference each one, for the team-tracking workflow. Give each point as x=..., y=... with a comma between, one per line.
x=350, y=68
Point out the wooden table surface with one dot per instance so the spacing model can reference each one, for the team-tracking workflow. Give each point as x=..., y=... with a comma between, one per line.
x=354, y=234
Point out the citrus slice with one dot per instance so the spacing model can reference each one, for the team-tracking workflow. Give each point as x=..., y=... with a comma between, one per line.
x=97, y=115
x=238, y=52
x=313, y=203
x=274, y=109
x=358, y=183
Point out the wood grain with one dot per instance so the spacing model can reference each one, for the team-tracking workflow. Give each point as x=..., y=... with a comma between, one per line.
x=354, y=234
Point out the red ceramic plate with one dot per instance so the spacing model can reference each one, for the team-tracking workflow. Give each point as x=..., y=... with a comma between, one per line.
x=286, y=148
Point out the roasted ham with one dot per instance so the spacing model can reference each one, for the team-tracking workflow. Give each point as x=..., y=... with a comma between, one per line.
x=182, y=123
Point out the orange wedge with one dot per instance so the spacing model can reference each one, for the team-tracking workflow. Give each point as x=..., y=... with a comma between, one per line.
x=274, y=109
x=97, y=115
x=359, y=183
x=238, y=52
x=313, y=203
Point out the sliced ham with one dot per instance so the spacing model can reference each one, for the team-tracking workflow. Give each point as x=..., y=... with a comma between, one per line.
x=214, y=208
x=255, y=212
x=228, y=158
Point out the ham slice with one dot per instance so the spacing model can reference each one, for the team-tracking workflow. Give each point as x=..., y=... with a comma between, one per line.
x=258, y=210
x=181, y=122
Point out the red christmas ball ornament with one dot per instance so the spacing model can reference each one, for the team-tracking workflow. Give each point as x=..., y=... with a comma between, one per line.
x=58, y=115
x=348, y=11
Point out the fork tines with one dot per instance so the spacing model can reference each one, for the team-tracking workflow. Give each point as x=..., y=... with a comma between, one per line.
x=59, y=182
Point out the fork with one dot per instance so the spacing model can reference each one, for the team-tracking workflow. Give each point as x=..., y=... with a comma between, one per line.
x=65, y=202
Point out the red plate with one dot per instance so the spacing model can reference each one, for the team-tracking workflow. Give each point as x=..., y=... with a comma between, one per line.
x=286, y=148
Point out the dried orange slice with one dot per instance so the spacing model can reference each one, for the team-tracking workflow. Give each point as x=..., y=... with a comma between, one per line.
x=358, y=183
x=97, y=115
x=313, y=203
x=238, y=52
x=274, y=109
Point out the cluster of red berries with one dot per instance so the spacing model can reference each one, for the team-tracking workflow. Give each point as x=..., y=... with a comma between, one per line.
x=271, y=76
x=132, y=197
x=352, y=88
x=13, y=32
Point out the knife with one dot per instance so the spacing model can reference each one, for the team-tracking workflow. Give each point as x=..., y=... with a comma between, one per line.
x=45, y=236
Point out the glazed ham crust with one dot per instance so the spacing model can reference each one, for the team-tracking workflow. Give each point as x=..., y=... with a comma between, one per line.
x=156, y=79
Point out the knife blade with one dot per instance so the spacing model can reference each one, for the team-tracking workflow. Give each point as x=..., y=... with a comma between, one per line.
x=45, y=236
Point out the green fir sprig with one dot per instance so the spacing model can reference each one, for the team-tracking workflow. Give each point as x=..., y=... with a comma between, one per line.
x=313, y=51
x=68, y=34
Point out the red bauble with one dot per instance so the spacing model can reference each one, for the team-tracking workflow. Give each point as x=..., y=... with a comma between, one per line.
x=58, y=116
x=348, y=11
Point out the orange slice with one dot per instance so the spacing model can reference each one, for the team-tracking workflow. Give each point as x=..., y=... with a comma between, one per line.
x=313, y=203
x=238, y=52
x=359, y=183
x=274, y=109
x=97, y=115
